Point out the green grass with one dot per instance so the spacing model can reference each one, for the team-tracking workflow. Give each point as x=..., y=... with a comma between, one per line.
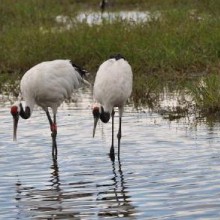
x=184, y=41
x=176, y=43
x=206, y=94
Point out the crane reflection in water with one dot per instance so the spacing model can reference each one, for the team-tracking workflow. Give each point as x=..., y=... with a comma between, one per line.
x=75, y=199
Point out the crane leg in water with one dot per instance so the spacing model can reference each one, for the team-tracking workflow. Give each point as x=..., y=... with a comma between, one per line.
x=112, y=88
x=53, y=128
x=37, y=88
x=119, y=137
x=112, y=150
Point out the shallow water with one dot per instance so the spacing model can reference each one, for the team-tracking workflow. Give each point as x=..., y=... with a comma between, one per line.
x=97, y=18
x=168, y=170
x=130, y=16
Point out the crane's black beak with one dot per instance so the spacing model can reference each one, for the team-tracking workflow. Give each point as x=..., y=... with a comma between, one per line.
x=15, y=126
x=95, y=124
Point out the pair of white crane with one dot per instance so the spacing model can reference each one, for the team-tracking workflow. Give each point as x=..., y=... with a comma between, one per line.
x=49, y=83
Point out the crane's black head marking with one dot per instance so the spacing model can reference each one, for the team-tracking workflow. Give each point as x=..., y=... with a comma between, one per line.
x=19, y=110
x=117, y=57
x=81, y=71
x=25, y=114
x=98, y=112
x=104, y=116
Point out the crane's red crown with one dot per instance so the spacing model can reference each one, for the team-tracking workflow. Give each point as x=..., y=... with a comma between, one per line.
x=95, y=111
x=14, y=110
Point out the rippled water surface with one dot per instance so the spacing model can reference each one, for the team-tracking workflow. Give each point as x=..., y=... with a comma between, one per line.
x=168, y=170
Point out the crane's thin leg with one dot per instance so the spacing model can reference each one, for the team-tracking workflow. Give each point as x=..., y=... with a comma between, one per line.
x=54, y=125
x=119, y=137
x=54, y=135
x=49, y=118
x=112, y=151
x=53, y=128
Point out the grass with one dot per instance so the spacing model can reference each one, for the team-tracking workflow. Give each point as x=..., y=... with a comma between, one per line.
x=206, y=94
x=175, y=43
x=185, y=41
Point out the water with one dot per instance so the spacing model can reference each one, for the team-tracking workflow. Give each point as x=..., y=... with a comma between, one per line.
x=97, y=18
x=130, y=16
x=168, y=170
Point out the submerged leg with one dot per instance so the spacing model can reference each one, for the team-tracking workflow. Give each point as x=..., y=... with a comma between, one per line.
x=54, y=148
x=53, y=128
x=119, y=137
x=112, y=151
x=54, y=135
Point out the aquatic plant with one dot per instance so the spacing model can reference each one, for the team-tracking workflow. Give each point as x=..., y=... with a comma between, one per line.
x=206, y=93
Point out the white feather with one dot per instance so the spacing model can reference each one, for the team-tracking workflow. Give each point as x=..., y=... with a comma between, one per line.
x=49, y=83
x=113, y=84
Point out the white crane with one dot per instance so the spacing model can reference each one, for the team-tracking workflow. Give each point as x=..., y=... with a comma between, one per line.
x=47, y=84
x=112, y=88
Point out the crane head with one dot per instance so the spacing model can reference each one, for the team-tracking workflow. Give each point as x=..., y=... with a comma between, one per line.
x=99, y=113
x=96, y=115
x=15, y=111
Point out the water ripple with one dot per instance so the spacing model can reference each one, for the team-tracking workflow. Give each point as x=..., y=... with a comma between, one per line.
x=167, y=170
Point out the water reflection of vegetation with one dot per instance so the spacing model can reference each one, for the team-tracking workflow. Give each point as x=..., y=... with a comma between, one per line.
x=154, y=91
x=206, y=94
x=183, y=97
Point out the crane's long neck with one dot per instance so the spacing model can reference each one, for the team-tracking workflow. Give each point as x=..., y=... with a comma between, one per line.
x=25, y=113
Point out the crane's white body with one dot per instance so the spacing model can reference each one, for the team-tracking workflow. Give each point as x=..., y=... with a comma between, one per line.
x=113, y=84
x=112, y=88
x=49, y=83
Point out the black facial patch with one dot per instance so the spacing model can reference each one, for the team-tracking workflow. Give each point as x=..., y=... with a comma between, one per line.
x=117, y=57
x=81, y=71
x=25, y=114
x=104, y=116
